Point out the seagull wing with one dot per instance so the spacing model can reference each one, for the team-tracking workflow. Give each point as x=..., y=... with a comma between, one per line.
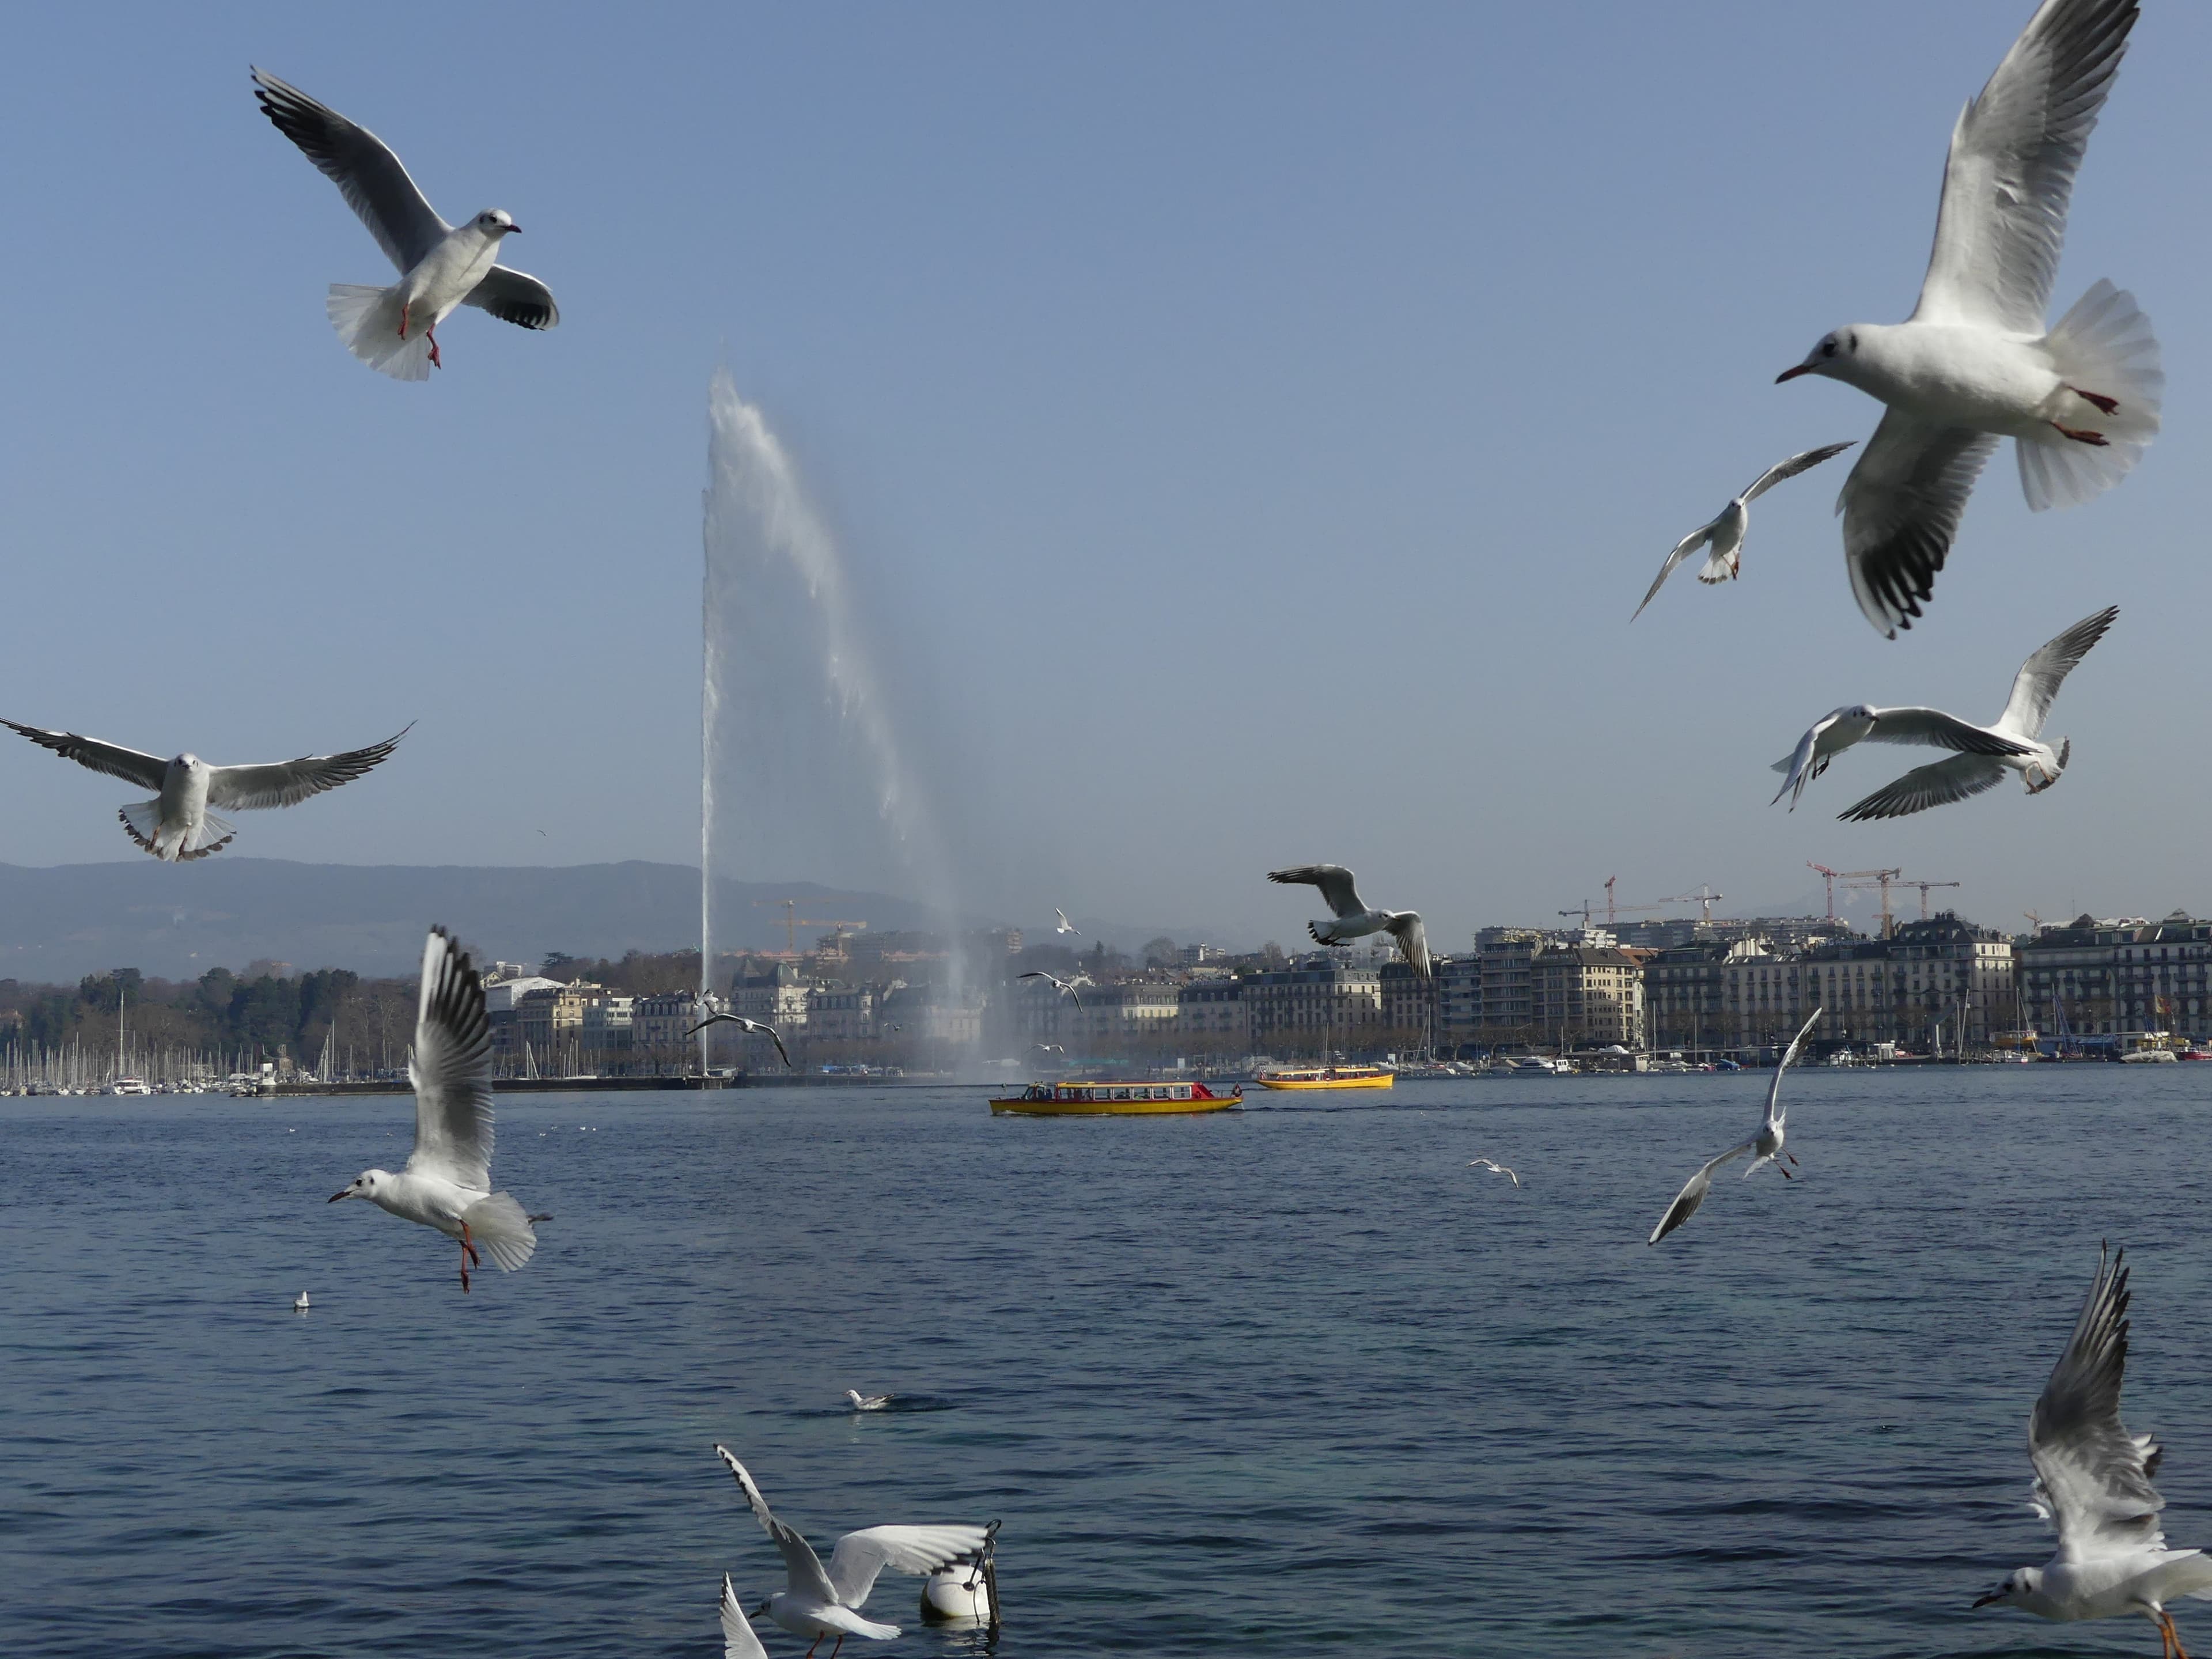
x=286, y=783
x=740, y=1640
x=1803, y=461
x=1938, y=730
x=1807, y=761
x=146, y=771
x=2010, y=173
x=2042, y=674
x=1412, y=939
x=1334, y=881
x=859, y=1556
x=1789, y=1059
x=802, y=1567
x=514, y=297
x=1689, y=544
x=711, y=1019
x=1936, y=784
x=773, y=1036
x=2093, y=1476
x=1692, y=1194
x=1901, y=507
x=368, y=174
x=451, y=1069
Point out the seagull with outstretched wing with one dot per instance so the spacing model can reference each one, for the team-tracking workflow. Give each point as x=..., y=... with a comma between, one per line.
x=1350, y=919
x=180, y=821
x=751, y=1027
x=1723, y=536
x=816, y=1602
x=441, y=266
x=1975, y=363
x=1065, y=987
x=1765, y=1147
x=2012, y=743
x=447, y=1182
x=2093, y=1482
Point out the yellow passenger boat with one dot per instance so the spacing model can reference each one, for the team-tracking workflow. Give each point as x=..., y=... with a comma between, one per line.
x=1326, y=1077
x=1089, y=1099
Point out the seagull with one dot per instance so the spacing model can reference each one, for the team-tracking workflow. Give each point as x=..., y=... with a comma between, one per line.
x=2093, y=1480
x=178, y=824
x=816, y=1603
x=1765, y=1146
x=1065, y=987
x=1723, y=536
x=740, y=1640
x=868, y=1402
x=1353, y=920
x=1048, y=1048
x=1974, y=363
x=751, y=1027
x=2014, y=742
x=395, y=330
x=299, y=1302
x=1495, y=1168
x=447, y=1182
x=1064, y=926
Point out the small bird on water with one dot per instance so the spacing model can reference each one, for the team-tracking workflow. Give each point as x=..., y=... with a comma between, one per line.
x=867, y=1402
x=447, y=1182
x=299, y=1302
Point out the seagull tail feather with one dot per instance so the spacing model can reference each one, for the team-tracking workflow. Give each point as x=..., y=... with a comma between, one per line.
x=503, y=1227
x=367, y=320
x=2103, y=347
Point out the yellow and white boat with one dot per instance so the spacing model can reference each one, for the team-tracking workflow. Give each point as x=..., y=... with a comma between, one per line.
x=1107, y=1099
x=1326, y=1077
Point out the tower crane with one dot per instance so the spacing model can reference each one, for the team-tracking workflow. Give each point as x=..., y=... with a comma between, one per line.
x=1704, y=896
x=1924, y=886
x=1612, y=911
x=792, y=921
x=1858, y=878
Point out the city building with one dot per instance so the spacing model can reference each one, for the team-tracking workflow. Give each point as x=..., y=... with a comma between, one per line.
x=2091, y=981
x=1587, y=996
x=1319, y=1005
x=1210, y=1018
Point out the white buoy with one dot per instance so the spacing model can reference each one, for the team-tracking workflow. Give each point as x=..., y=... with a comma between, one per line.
x=299, y=1302
x=965, y=1592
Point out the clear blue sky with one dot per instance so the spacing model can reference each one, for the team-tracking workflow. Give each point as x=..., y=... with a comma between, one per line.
x=1259, y=422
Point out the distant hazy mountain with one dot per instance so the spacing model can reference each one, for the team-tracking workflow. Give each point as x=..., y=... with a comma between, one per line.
x=176, y=922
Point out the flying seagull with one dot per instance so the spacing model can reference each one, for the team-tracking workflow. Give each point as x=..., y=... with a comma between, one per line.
x=1494, y=1167
x=817, y=1603
x=1352, y=920
x=2015, y=742
x=1973, y=363
x=447, y=1182
x=395, y=329
x=1062, y=925
x=751, y=1027
x=1765, y=1146
x=180, y=823
x=2093, y=1482
x=1065, y=987
x=1722, y=537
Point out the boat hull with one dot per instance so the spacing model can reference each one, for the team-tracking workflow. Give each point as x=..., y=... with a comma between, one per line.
x=1352, y=1080
x=1115, y=1100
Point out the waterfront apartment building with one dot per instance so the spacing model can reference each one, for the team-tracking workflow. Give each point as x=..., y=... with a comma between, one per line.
x=1587, y=996
x=777, y=997
x=2092, y=980
x=1318, y=1005
x=1211, y=1018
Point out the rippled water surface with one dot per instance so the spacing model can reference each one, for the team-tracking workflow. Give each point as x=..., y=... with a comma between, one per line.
x=1284, y=1382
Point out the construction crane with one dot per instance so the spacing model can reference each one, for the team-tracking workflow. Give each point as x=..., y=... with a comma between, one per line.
x=1704, y=896
x=792, y=921
x=1924, y=886
x=1855, y=877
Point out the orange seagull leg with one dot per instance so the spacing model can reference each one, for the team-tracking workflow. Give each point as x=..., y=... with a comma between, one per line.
x=2094, y=439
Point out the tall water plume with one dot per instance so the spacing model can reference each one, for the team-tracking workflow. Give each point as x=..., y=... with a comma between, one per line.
x=802, y=775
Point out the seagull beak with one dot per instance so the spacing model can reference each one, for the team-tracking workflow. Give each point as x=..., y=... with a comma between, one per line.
x=514, y=230
x=335, y=1197
x=1983, y=1601
x=1792, y=373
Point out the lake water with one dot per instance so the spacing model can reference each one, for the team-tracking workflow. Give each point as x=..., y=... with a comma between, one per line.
x=1287, y=1381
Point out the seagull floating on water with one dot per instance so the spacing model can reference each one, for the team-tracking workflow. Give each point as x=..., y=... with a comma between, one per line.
x=867, y=1402
x=1973, y=363
x=817, y=1603
x=1065, y=987
x=1062, y=925
x=179, y=823
x=1353, y=919
x=1723, y=536
x=751, y=1027
x=2093, y=1482
x=1494, y=1167
x=1765, y=1146
x=395, y=330
x=299, y=1302
x=2015, y=742
x=447, y=1182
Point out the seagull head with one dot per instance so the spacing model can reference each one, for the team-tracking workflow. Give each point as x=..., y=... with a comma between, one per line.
x=187, y=761
x=363, y=1185
x=496, y=222
x=1836, y=355
x=2017, y=1590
